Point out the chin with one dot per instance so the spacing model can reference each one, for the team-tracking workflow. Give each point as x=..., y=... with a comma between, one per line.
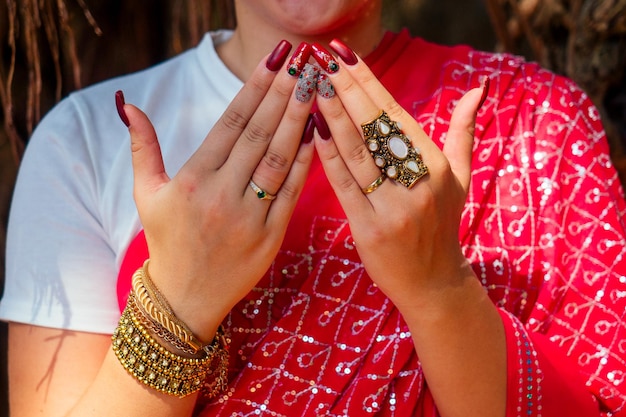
x=308, y=18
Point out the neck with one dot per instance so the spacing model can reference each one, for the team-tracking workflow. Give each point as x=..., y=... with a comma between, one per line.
x=254, y=38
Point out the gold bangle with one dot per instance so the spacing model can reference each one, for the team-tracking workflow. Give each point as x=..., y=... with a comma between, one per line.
x=153, y=365
x=157, y=328
x=156, y=306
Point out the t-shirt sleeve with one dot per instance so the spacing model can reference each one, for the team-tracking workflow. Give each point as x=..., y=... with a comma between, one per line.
x=60, y=267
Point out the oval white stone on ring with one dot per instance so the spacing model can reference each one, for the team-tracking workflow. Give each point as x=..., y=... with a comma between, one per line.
x=380, y=161
x=392, y=171
x=397, y=147
x=383, y=128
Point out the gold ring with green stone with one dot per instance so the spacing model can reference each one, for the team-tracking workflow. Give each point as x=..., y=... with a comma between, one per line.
x=261, y=193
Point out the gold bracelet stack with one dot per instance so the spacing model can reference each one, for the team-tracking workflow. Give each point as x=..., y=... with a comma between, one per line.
x=156, y=308
x=153, y=364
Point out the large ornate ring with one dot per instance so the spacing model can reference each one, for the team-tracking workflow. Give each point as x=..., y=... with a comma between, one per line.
x=392, y=151
x=374, y=185
x=260, y=193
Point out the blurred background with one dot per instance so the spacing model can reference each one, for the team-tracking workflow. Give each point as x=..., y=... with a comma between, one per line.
x=49, y=48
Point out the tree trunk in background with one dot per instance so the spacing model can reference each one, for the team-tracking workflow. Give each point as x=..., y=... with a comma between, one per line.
x=583, y=39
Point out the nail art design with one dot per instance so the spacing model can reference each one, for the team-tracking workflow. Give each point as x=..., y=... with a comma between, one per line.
x=324, y=58
x=307, y=81
x=324, y=87
x=299, y=58
x=119, y=104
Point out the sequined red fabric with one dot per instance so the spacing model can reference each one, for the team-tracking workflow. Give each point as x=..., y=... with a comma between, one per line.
x=544, y=228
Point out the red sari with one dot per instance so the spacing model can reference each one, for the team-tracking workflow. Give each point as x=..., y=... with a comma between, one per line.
x=543, y=227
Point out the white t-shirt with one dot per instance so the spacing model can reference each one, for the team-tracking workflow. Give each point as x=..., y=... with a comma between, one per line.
x=73, y=213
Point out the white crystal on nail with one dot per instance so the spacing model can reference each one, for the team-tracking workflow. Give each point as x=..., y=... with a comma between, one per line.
x=383, y=128
x=398, y=148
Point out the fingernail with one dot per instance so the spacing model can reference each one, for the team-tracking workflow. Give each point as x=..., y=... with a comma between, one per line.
x=324, y=58
x=307, y=81
x=278, y=56
x=324, y=86
x=486, y=81
x=119, y=103
x=345, y=53
x=307, y=135
x=299, y=58
x=321, y=125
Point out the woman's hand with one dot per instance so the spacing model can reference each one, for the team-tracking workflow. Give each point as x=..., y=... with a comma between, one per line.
x=210, y=236
x=407, y=238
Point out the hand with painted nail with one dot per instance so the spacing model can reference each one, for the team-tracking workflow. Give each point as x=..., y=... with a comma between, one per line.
x=403, y=198
x=402, y=194
x=214, y=228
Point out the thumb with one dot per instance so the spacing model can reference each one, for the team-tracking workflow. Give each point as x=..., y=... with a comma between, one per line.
x=460, y=138
x=148, y=167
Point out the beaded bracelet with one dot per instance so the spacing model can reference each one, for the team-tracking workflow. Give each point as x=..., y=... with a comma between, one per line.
x=157, y=328
x=154, y=365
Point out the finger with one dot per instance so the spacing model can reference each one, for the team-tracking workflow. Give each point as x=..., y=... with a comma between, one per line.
x=275, y=165
x=460, y=137
x=281, y=209
x=148, y=168
x=268, y=145
x=343, y=117
x=364, y=85
x=337, y=168
x=350, y=148
x=218, y=144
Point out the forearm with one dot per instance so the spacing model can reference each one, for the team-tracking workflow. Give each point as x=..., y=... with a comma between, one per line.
x=115, y=392
x=460, y=340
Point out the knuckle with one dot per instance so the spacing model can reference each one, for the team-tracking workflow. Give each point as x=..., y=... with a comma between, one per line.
x=283, y=90
x=346, y=184
x=334, y=114
x=188, y=183
x=350, y=86
x=394, y=110
x=276, y=160
x=258, y=85
x=256, y=133
x=360, y=154
x=234, y=120
x=289, y=191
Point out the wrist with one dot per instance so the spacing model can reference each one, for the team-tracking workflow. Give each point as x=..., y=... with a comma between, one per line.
x=189, y=297
x=443, y=295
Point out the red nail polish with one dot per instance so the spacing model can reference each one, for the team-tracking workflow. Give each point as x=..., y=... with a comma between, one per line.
x=299, y=58
x=278, y=56
x=486, y=81
x=119, y=103
x=324, y=58
x=344, y=51
x=321, y=125
x=307, y=135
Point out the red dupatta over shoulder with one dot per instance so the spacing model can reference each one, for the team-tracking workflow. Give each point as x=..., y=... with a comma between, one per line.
x=543, y=227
